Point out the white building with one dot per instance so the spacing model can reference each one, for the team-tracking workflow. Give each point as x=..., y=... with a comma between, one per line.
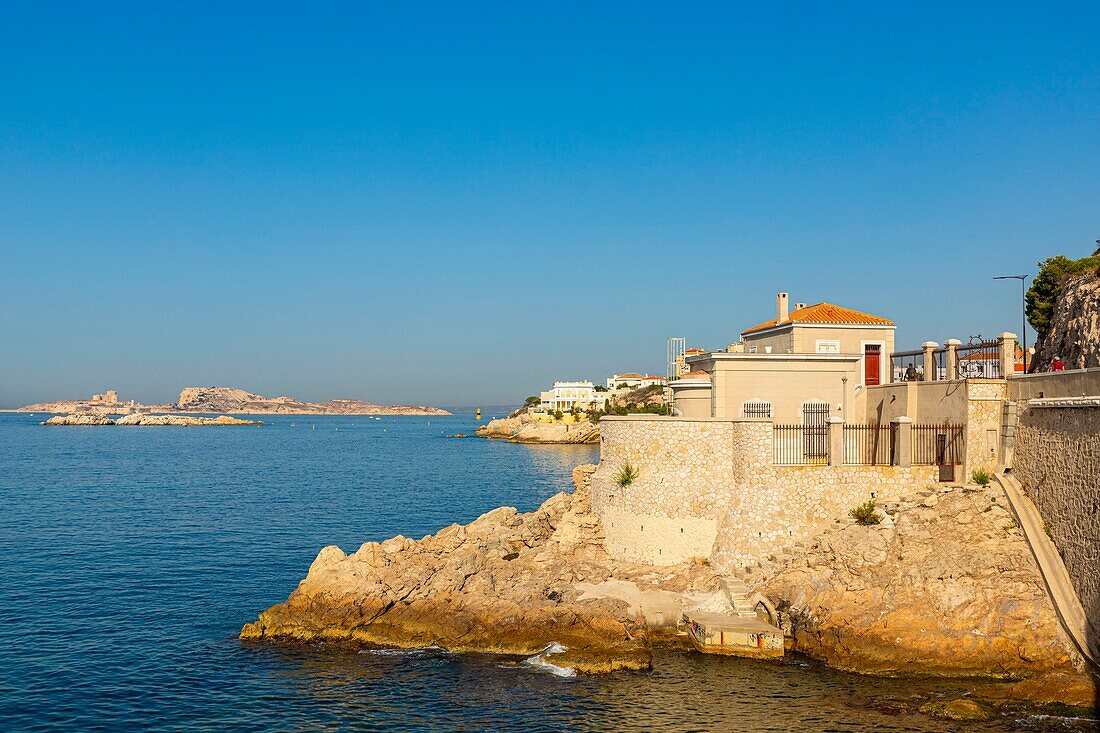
x=565, y=395
x=633, y=380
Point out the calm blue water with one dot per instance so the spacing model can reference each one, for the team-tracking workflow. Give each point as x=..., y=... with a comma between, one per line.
x=132, y=556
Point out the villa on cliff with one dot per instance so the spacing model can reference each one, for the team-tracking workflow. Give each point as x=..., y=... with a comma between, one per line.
x=802, y=366
x=806, y=416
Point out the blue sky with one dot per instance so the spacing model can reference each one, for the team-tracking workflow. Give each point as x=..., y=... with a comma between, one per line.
x=456, y=203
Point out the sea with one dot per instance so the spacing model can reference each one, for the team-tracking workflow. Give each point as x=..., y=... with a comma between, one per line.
x=132, y=556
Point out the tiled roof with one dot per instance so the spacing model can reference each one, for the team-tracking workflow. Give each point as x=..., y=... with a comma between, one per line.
x=629, y=375
x=695, y=351
x=697, y=374
x=826, y=313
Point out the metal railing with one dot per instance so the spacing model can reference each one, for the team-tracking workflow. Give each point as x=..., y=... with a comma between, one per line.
x=800, y=445
x=907, y=366
x=936, y=445
x=981, y=360
x=870, y=445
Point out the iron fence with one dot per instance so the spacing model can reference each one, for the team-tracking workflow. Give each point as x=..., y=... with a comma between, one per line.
x=800, y=445
x=907, y=366
x=870, y=445
x=938, y=445
x=981, y=360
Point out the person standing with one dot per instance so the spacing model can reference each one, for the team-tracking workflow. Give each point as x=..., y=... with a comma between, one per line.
x=1057, y=365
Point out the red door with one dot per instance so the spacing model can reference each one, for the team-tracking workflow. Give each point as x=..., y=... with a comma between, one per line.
x=872, y=368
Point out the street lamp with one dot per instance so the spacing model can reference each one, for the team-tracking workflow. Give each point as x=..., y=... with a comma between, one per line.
x=1023, y=313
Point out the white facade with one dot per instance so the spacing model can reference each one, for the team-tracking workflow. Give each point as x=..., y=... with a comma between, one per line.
x=633, y=380
x=565, y=395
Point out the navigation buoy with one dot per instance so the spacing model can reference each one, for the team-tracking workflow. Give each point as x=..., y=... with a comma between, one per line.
x=479, y=413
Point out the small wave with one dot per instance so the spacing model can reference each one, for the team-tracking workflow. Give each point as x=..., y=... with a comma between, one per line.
x=419, y=651
x=1068, y=723
x=539, y=661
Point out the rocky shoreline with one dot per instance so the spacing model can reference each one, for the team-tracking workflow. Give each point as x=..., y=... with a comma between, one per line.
x=524, y=428
x=141, y=419
x=916, y=597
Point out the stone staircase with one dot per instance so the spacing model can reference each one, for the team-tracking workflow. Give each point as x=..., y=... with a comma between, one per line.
x=739, y=596
x=735, y=631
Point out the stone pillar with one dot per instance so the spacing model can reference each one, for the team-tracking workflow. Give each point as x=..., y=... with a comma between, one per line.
x=1008, y=354
x=929, y=360
x=903, y=434
x=836, y=441
x=952, y=358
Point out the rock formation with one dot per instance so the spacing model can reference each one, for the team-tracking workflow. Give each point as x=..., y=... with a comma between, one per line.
x=229, y=399
x=1074, y=330
x=508, y=582
x=525, y=428
x=945, y=585
x=89, y=418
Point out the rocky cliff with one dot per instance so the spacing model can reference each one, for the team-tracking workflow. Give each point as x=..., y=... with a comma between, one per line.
x=508, y=582
x=525, y=428
x=945, y=585
x=1074, y=330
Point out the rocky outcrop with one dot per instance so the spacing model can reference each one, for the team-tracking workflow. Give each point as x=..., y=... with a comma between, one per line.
x=231, y=399
x=508, y=583
x=80, y=418
x=945, y=585
x=147, y=420
x=1074, y=330
x=526, y=428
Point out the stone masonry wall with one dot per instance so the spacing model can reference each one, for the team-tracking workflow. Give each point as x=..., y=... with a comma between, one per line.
x=706, y=488
x=985, y=403
x=1058, y=463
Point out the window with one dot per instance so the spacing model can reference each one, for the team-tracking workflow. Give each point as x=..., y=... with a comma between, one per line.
x=828, y=346
x=756, y=408
x=752, y=349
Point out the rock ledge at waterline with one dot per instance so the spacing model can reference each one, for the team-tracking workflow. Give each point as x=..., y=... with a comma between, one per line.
x=913, y=597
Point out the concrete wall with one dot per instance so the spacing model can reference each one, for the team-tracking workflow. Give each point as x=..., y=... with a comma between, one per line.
x=1057, y=462
x=691, y=398
x=707, y=489
x=975, y=403
x=787, y=381
x=1070, y=383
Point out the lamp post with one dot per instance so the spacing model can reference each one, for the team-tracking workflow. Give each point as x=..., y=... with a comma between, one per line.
x=1023, y=314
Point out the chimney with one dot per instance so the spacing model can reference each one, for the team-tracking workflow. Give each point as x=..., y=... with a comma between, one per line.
x=782, y=308
x=799, y=306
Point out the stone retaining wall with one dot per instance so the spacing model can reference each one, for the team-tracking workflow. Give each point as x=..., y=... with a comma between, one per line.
x=706, y=488
x=1057, y=462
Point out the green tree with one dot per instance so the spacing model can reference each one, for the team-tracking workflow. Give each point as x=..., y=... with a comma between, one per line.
x=532, y=401
x=1047, y=286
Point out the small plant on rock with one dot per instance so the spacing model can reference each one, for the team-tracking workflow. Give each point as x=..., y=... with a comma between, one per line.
x=865, y=514
x=626, y=476
x=981, y=477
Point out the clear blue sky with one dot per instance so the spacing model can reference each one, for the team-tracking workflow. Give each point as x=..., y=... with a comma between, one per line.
x=456, y=203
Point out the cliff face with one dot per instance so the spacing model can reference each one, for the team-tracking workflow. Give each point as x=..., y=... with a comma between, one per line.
x=1074, y=332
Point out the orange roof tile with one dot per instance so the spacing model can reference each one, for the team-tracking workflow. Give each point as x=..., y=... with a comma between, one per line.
x=697, y=374
x=629, y=375
x=826, y=313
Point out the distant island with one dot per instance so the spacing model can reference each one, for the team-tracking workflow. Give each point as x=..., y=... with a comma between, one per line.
x=221, y=400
